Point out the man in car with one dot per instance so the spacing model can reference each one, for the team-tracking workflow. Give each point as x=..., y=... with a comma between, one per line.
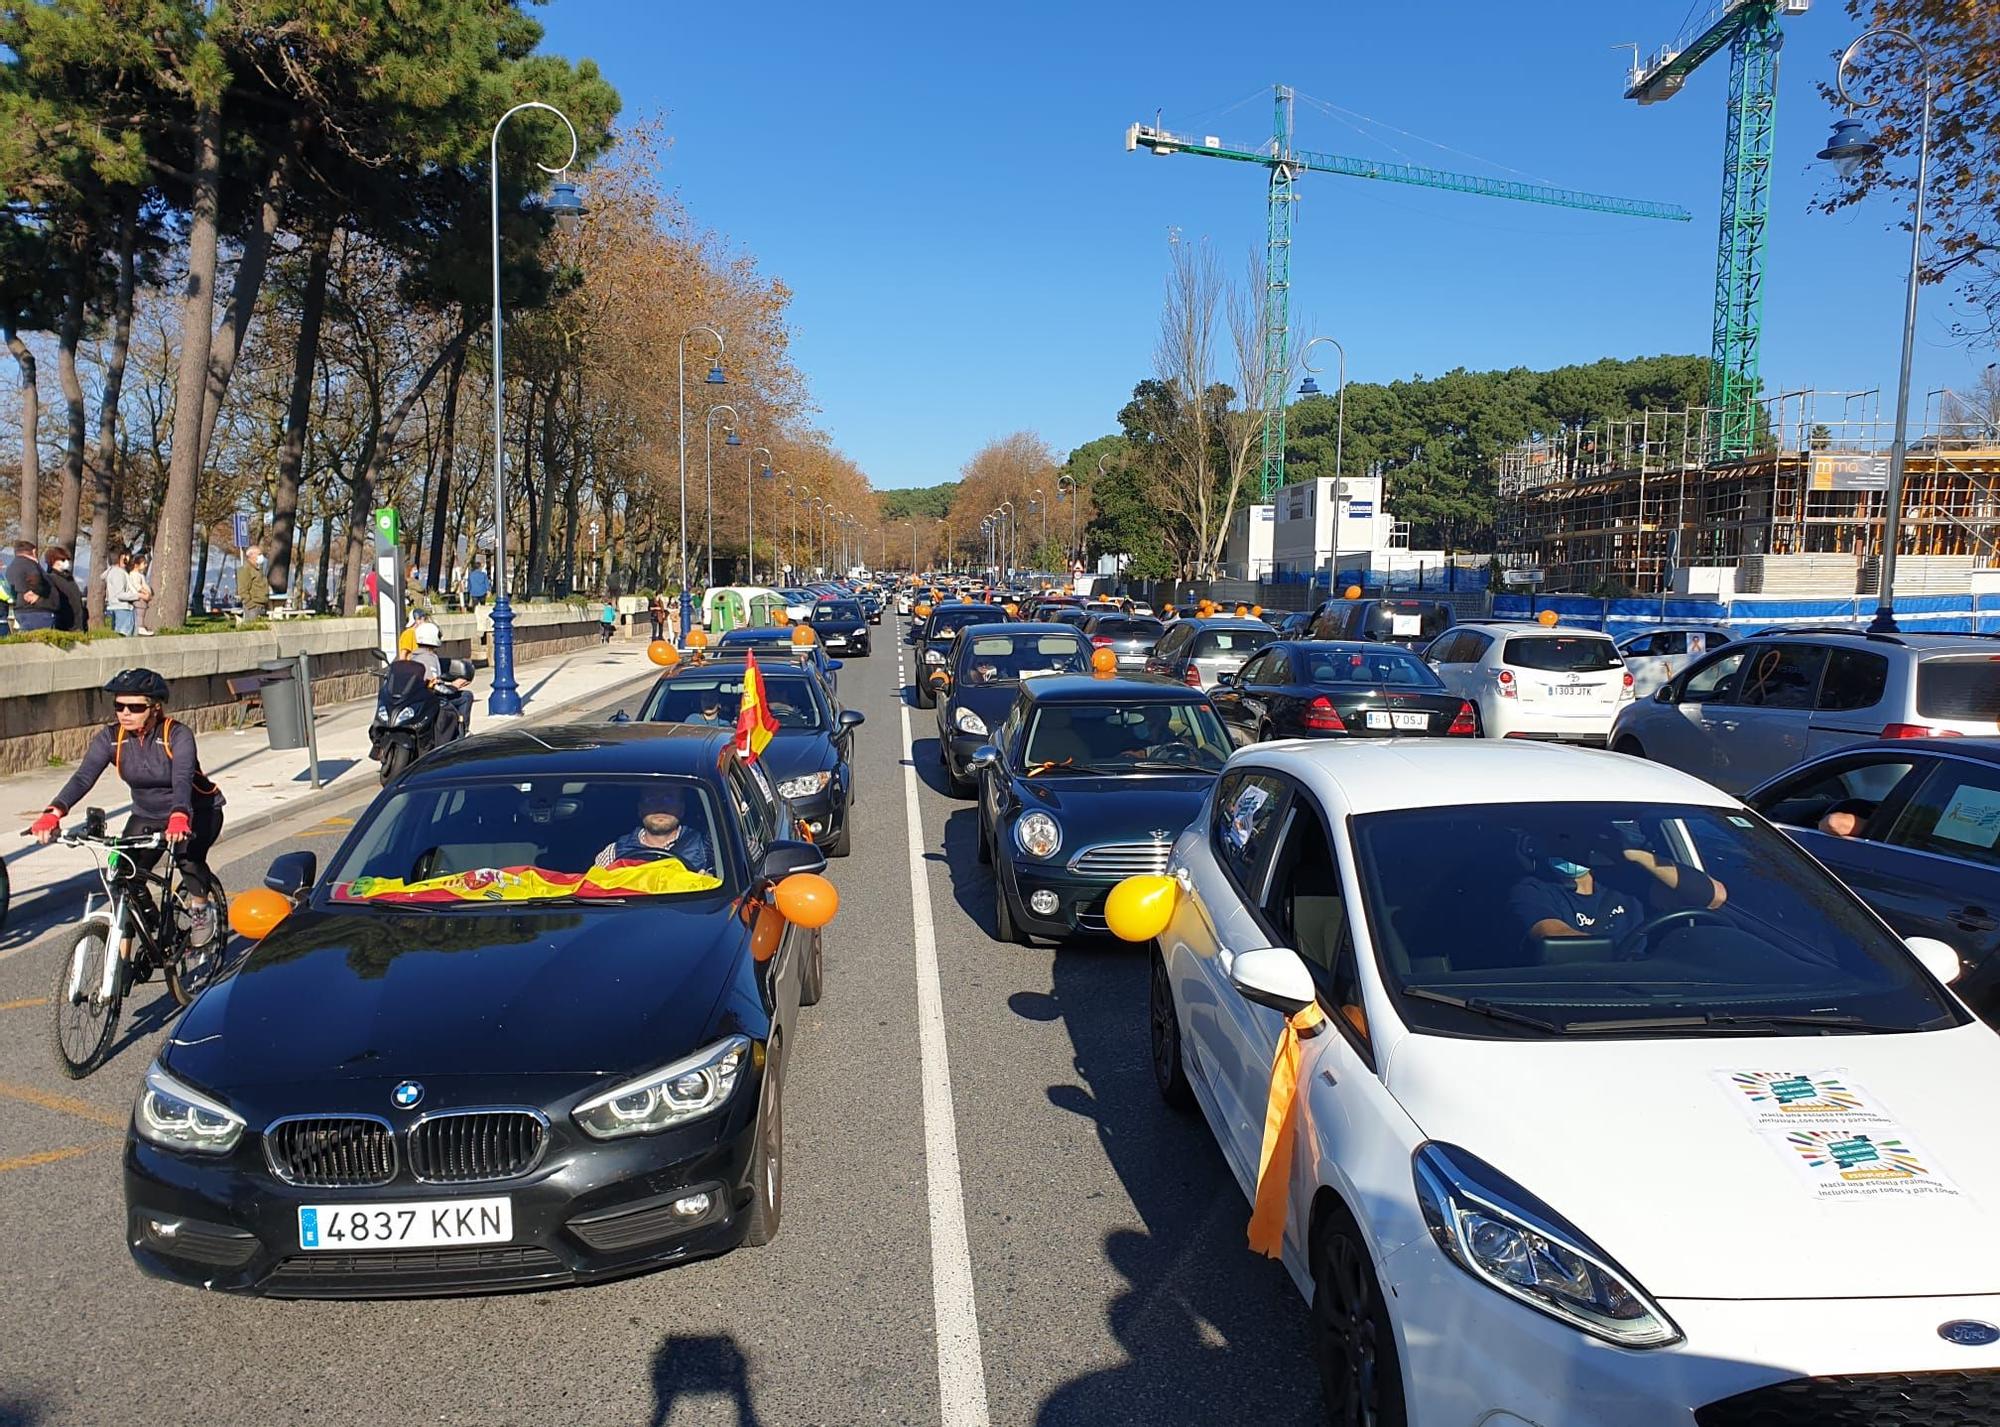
x=711, y=708
x=663, y=832
x=1581, y=885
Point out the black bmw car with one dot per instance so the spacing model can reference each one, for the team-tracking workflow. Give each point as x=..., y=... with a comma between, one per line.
x=988, y=665
x=530, y=1028
x=1088, y=781
x=1339, y=689
x=842, y=625
x=810, y=758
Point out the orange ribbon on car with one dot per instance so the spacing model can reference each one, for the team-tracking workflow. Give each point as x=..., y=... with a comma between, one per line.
x=1281, y=1122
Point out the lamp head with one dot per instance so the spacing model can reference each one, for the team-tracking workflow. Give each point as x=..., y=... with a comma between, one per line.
x=1849, y=146
x=730, y=438
x=765, y=473
x=715, y=376
x=564, y=203
x=1309, y=387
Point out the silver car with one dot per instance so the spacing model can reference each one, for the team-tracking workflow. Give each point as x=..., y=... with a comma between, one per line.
x=1199, y=652
x=1745, y=713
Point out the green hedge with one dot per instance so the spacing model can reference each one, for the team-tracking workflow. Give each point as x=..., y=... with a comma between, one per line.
x=59, y=638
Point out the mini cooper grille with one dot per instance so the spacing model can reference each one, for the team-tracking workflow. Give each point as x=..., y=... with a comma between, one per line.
x=331, y=1151
x=484, y=1144
x=1122, y=859
x=1939, y=1399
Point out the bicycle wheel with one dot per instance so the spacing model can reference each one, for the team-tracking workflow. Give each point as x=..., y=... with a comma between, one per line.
x=84, y=1023
x=192, y=965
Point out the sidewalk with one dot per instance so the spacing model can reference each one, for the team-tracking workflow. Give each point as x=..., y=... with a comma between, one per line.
x=263, y=786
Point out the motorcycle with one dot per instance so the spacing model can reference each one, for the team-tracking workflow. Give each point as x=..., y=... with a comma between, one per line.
x=412, y=717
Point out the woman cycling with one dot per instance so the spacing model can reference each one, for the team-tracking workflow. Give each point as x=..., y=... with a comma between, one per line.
x=158, y=760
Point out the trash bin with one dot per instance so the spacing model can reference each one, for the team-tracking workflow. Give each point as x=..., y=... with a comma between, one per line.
x=284, y=704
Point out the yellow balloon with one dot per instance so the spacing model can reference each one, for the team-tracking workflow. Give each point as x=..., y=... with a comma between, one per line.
x=1139, y=908
x=1548, y=618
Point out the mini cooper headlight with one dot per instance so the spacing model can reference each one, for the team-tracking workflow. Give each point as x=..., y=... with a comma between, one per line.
x=1038, y=835
x=933, y=656
x=969, y=722
x=674, y=1095
x=1497, y=1232
x=805, y=785
x=177, y=1117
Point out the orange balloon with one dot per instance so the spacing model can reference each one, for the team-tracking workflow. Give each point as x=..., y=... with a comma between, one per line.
x=1256, y=611
x=255, y=914
x=663, y=654
x=1242, y=611
x=802, y=635
x=697, y=638
x=1012, y=610
x=1548, y=618
x=1352, y=592
x=784, y=618
x=765, y=935
x=923, y=611
x=807, y=899
x=1104, y=661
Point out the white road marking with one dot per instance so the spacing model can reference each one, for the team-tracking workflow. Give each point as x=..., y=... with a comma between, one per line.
x=961, y=1368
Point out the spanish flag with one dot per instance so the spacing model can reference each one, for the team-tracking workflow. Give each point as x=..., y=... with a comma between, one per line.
x=754, y=724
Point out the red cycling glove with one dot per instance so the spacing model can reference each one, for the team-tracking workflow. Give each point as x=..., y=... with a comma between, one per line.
x=47, y=822
x=178, y=827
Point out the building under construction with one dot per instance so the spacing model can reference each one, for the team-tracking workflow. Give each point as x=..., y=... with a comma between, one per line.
x=1633, y=506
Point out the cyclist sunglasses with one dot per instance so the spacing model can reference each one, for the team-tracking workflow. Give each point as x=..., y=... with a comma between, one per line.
x=123, y=706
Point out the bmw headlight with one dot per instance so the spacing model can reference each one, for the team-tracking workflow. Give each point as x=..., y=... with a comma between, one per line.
x=1499, y=1233
x=969, y=722
x=1038, y=835
x=176, y=1117
x=804, y=786
x=683, y=1091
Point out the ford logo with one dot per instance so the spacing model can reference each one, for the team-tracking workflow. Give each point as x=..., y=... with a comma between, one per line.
x=1969, y=1333
x=408, y=1095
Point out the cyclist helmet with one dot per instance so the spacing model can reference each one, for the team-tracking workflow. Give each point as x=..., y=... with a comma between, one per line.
x=143, y=682
x=428, y=636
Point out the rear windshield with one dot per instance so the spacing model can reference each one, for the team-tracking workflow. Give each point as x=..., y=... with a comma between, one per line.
x=714, y=698
x=945, y=619
x=1964, y=687
x=1238, y=643
x=833, y=611
x=1378, y=668
x=1009, y=658
x=1411, y=619
x=1125, y=628
x=1562, y=653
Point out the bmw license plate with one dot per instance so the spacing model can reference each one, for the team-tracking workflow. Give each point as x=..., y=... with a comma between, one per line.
x=1406, y=721
x=415, y=1224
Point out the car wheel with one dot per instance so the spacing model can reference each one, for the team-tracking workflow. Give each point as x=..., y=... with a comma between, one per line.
x=1629, y=746
x=1360, y=1377
x=1003, y=916
x=961, y=787
x=836, y=845
x=926, y=696
x=1265, y=733
x=812, y=985
x=767, y=1165
x=985, y=847
x=1169, y=1069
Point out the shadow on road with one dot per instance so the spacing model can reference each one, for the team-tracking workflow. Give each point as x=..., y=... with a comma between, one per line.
x=700, y=1366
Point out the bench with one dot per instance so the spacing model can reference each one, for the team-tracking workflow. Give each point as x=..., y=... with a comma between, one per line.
x=248, y=692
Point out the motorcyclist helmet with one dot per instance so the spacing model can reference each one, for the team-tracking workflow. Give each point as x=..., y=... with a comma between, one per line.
x=428, y=636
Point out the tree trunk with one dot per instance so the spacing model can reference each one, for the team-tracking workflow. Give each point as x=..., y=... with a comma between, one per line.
x=104, y=470
x=538, y=570
x=325, y=559
x=170, y=589
x=438, y=574
x=31, y=451
x=298, y=416
x=68, y=335
x=226, y=346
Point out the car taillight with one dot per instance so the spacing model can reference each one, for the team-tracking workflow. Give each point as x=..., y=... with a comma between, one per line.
x=1192, y=678
x=1505, y=678
x=1100, y=640
x=1918, y=730
x=1465, y=725
x=1323, y=716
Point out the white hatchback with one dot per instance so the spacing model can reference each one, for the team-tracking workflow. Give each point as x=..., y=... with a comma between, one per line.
x=1623, y=1110
x=1535, y=681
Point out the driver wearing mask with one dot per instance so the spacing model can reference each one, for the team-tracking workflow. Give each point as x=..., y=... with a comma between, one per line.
x=1590, y=883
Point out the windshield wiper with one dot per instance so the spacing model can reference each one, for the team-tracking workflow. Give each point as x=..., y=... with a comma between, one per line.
x=1181, y=763
x=1729, y=1020
x=1486, y=1009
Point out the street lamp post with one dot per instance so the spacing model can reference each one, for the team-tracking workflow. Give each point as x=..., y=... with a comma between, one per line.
x=1011, y=539
x=1044, y=505
x=729, y=438
x=1309, y=387
x=750, y=512
x=505, y=698
x=1850, y=147
x=714, y=378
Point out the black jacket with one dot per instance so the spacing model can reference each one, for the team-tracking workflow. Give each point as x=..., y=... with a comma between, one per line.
x=164, y=774
x=71, y=610
x=25, y=575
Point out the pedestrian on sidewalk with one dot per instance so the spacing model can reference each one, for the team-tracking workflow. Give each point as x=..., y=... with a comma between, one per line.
x=253, y=590
x=478, y=584
x=141, y=591
x=609, y=619
x=34, y=602
x=656, y=610
x=118, y=594
x=72, y=614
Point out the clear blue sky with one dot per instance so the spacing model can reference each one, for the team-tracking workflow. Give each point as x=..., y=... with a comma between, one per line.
x=946, y=190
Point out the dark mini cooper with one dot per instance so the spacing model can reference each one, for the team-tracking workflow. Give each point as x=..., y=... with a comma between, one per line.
x=988, y=666
x=530, y=1028
x=778, y=643
x=1089, y=780
x=934, y=640
x=1332, y=689
x=842, y=625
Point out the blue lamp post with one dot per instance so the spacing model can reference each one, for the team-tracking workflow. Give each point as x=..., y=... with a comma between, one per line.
x=729, y=438
x=750, y=511
x=714, y=378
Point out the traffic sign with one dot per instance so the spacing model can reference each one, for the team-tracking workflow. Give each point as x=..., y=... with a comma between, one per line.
x=242, y=528
x=1518, y=578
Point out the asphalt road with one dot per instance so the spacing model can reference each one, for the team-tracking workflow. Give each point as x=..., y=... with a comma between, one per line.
x=1079, y=1260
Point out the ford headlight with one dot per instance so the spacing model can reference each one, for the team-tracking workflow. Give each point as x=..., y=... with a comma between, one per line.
x=177, y=1117
x=1038, y=835
x=804, y=786
x=683, y=1091
x=969, y=722
x=933, y=656
x=1500, y=1234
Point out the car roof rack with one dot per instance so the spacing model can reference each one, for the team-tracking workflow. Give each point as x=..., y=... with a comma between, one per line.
x=1847, y=629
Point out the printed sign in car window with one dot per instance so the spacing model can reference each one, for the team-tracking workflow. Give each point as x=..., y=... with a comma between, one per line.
x=1971, y=817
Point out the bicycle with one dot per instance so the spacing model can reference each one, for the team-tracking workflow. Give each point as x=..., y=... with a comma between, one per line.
x=152, y=909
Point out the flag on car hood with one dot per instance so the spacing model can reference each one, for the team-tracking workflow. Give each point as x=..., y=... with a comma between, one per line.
x=754, y=724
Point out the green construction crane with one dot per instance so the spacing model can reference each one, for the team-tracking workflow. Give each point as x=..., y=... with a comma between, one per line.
x=1286, y=163
x=1749, y=28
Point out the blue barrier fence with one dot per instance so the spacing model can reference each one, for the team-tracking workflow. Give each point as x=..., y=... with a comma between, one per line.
x=1917, y=614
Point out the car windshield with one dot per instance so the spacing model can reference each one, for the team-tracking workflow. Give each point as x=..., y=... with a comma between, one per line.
x=1119, y=737
x=542, y=839
x=1378, y=668
x=835, y=610
x=946, y=620
x=1127, y=627
x=1406, y=619
x=1562, y=653
x=1959, y=687
x=1237, y=644
x=1009, y=658
x=713, y=699
x=1624, y=918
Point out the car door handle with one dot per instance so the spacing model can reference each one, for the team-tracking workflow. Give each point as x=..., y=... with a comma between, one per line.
x=1973, y=919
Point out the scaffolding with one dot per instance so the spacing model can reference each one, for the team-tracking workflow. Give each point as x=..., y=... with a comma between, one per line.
x=1627, y=502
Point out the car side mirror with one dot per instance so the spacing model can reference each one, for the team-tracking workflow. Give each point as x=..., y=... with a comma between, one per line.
x=836, y=664
x=785, y=858
x=985, y=756
x=1273, y=976
x=1937, y=958
x=1666, y=695
x=620, y=717
x=851, y=718
x=292, y=873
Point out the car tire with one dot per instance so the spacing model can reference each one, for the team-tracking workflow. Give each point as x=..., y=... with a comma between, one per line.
x=926, y=696
x=837, y=845
x=961, y=787
x=1169, y=1063
x=1353, y=1341
x=1630, y=747
x=812, y=984
x=767, y=1163
x=1003, y=917
x=1265, y=733
x=985, y=853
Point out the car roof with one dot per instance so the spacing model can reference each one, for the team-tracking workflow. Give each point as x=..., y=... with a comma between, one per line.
x=1953, y=642
x=1376, y=775
x=1026, y=626
x=686, y=749
x=1118, y=688
x=1340, y=646
x=1524, y=626
x=1223, y=621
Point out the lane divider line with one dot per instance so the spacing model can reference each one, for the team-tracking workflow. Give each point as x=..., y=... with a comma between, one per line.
x=961, y=1366
x=62, y=1104
x=24, y=1003
x=29, y=1161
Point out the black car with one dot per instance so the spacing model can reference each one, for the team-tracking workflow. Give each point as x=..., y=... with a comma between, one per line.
x=988, y=665
x=1410, y=623
x=871, y=605
x=1089, y=780
x=842, y=625
x=530, y=1028
x=811, y=756
x=1323, y=689
x=1294, y=625
x=1132, y=637
x=1908, y=823
x=779, y=644
x=934, y=641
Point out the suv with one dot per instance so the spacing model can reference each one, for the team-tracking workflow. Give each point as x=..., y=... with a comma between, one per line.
x=1541, y=681
x=1410, y=623
x=1198, y=652
x=1762, y=704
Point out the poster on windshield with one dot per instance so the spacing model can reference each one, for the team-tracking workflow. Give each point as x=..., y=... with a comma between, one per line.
x=1836, y=1136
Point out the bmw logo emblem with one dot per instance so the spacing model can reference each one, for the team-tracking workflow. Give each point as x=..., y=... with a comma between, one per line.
x=408, y=1095
x=1969, y=1333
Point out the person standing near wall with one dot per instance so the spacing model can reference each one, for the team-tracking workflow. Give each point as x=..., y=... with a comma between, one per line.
x=253, y=590
x=141, y=591
x=72, y=614
x=118, y=594
x=34, y=601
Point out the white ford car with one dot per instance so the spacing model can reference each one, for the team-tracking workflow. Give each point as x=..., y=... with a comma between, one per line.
x=1624, y=1111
